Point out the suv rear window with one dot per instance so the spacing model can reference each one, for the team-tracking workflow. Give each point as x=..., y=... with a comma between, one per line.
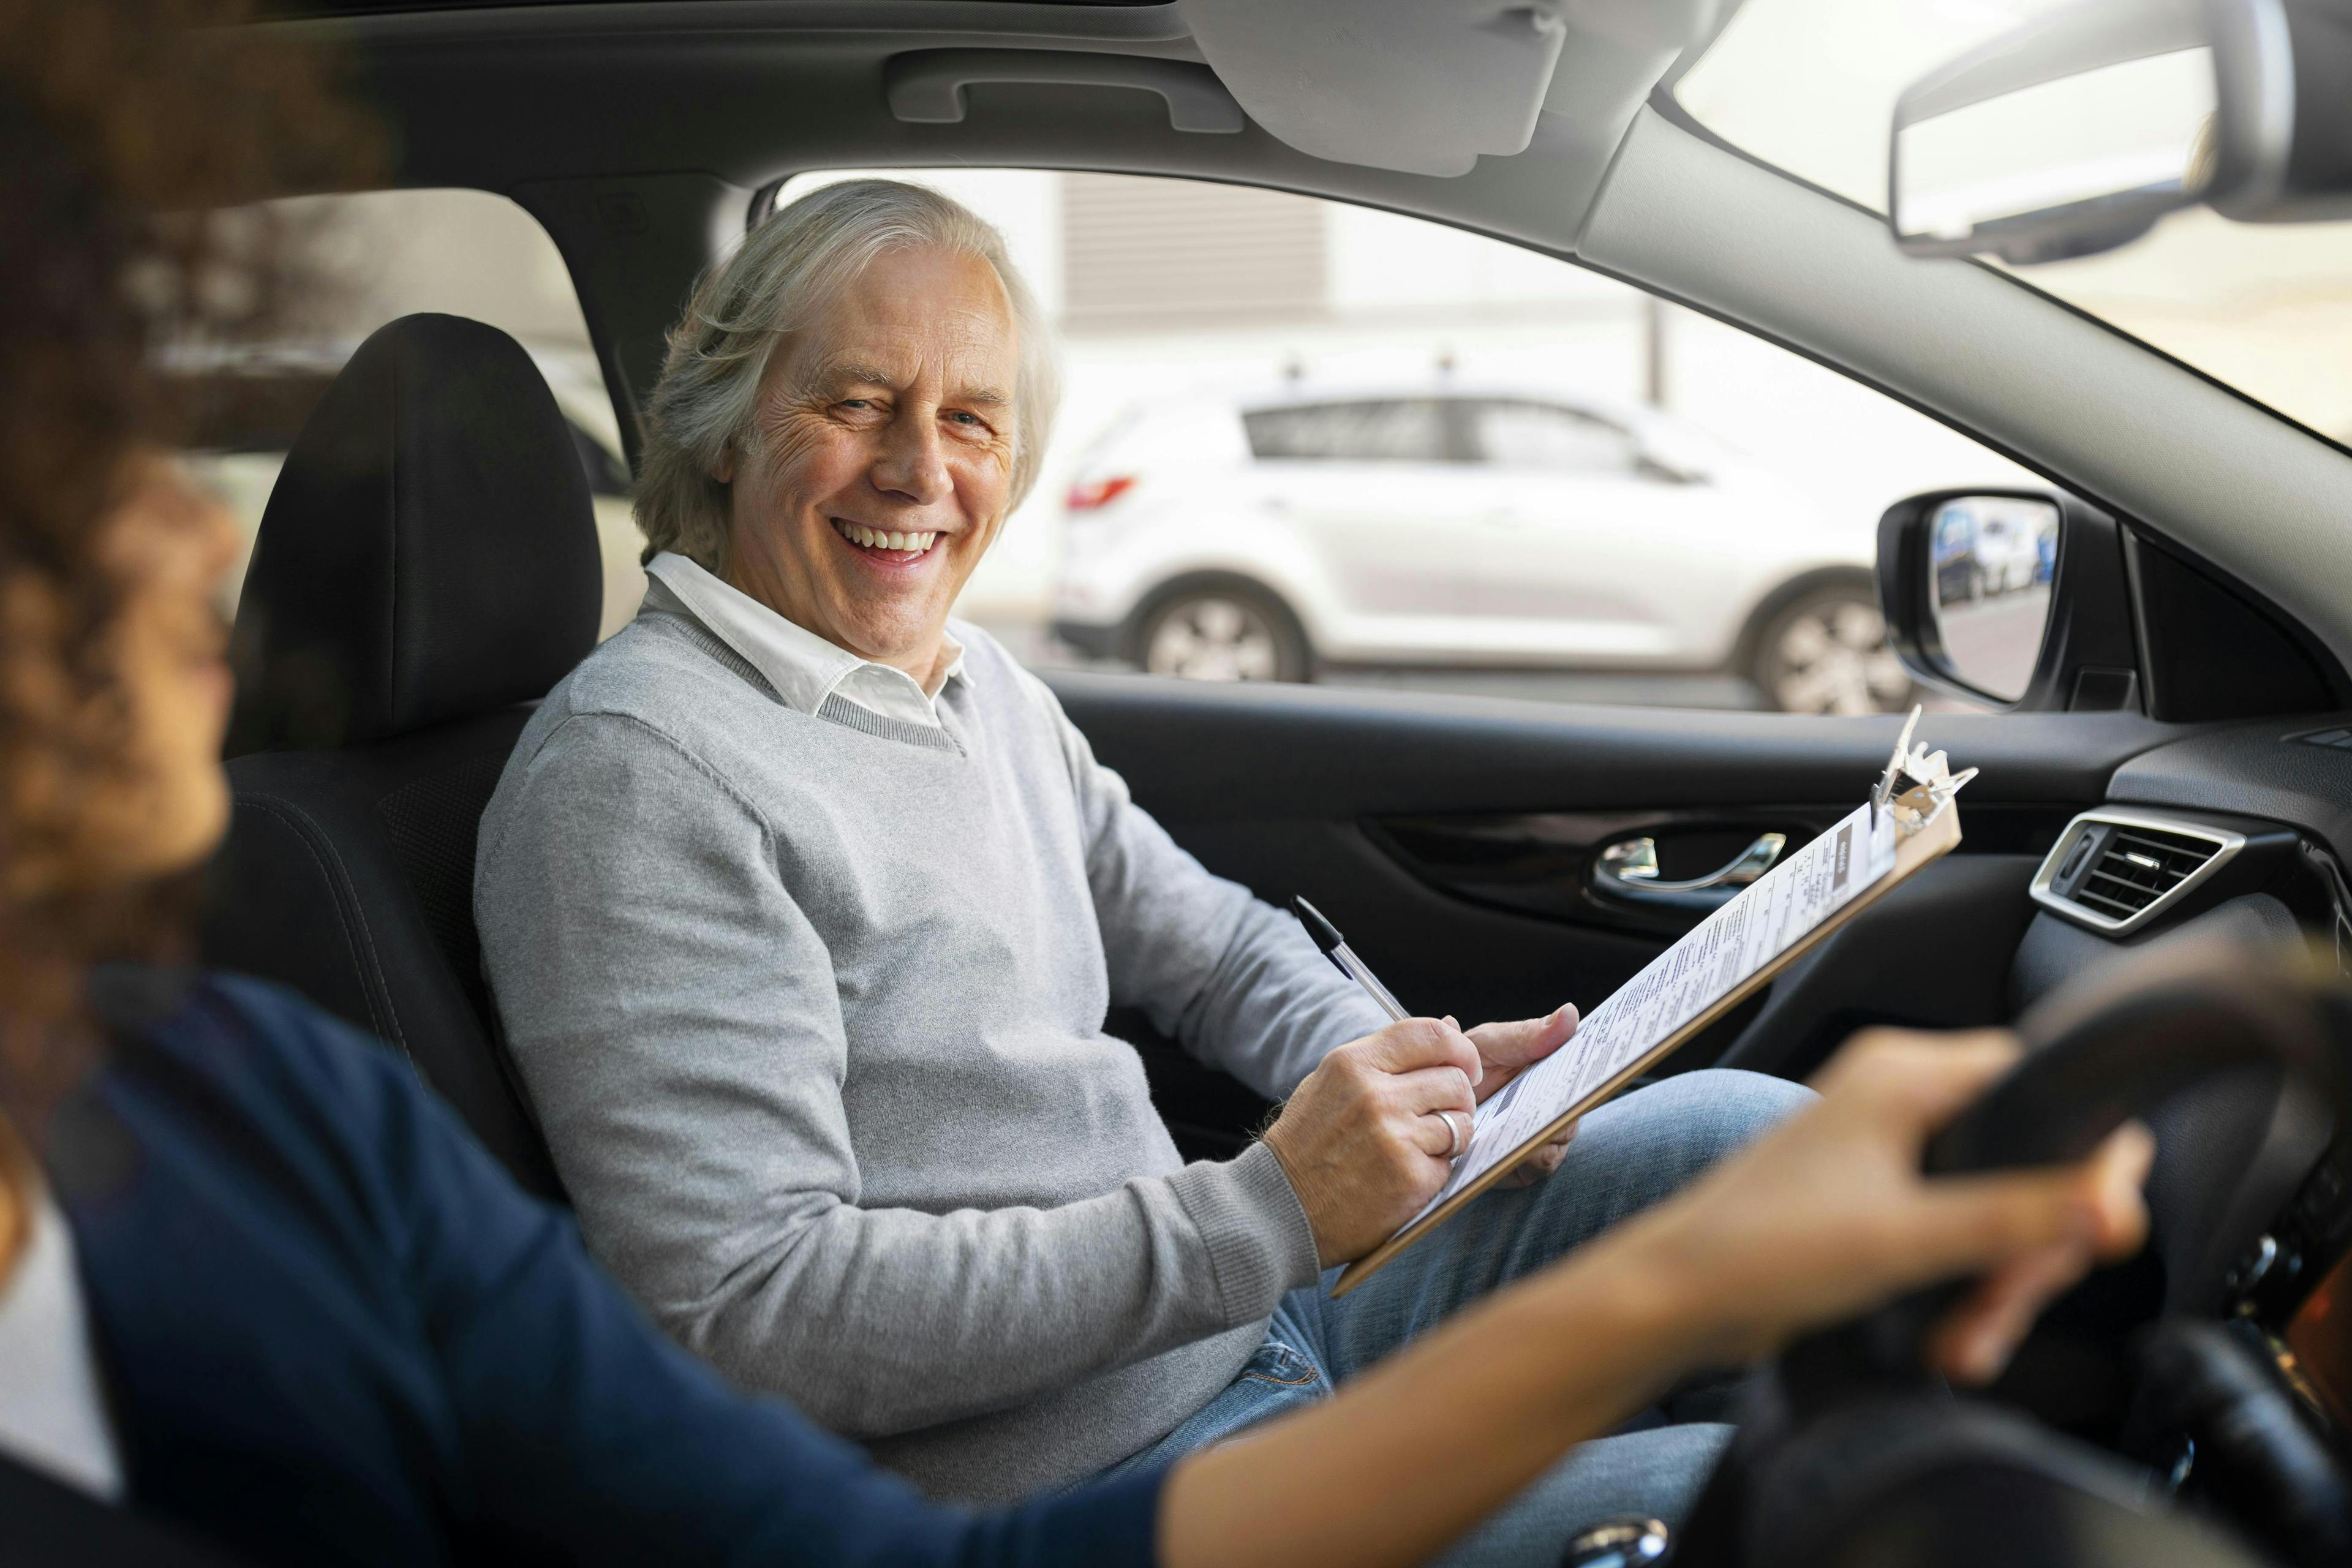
x=1399, y=430
x=1546, y=435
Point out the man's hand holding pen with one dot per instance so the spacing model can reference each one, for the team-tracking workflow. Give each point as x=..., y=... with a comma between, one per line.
x=1372, y=1133
x=1370, y=1136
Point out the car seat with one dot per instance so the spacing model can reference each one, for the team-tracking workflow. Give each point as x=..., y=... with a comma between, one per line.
x=426, y=568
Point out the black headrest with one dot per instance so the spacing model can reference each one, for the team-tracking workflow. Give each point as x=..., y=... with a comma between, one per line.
x=429, y=553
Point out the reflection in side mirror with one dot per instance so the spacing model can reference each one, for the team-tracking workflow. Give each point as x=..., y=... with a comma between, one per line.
x=1989, y=561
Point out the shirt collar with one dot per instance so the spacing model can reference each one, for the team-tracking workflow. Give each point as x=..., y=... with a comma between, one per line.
x=802, y=666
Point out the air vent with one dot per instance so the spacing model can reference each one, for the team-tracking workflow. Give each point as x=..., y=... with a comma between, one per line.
x=2135, y=868
x=2114, y=870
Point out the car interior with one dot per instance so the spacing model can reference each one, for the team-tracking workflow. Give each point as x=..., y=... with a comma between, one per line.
x=2178, y=763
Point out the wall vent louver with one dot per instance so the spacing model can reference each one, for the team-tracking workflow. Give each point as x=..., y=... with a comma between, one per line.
x=2113, y=870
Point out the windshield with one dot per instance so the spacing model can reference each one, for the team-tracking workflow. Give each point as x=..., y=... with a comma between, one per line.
x=1809, y=86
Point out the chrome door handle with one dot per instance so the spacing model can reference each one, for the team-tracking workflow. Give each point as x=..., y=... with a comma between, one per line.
x=1628, y=870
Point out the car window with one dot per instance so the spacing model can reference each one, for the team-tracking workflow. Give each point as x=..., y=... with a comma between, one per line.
x=383, y=255
x=1394, y=431
x=1301, y=439
x=1546, y=435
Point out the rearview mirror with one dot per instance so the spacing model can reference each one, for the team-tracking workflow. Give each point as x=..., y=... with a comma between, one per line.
x=2075, y=133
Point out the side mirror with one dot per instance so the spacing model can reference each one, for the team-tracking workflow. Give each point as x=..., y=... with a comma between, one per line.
x=2074, y=133
x=2016, y=598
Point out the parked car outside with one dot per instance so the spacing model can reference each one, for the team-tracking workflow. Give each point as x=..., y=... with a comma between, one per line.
x=2008, y=542
x=1959, y=575
x=1985, y=546
x=1259, y=538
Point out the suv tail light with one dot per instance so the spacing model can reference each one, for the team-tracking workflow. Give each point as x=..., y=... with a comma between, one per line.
x=1091, y=495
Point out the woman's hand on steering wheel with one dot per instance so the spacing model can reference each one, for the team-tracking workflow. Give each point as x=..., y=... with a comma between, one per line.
x=1829, y=1214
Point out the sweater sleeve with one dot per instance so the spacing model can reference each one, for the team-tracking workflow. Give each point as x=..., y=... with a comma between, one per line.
x=1233, y=980
x=582, y=1427
x=675, y=1019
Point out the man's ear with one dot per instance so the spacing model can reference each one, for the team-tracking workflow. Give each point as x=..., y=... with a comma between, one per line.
x=722, y=467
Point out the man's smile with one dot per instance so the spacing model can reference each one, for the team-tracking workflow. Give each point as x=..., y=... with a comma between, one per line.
x=893, y=546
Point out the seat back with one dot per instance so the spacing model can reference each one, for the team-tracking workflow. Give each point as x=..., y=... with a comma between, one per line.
x=426, y=568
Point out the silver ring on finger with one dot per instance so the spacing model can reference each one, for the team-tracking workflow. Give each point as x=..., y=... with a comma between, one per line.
x=1453, y=1131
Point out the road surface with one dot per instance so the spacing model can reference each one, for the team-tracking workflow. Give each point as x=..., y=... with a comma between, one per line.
x=1992, y=643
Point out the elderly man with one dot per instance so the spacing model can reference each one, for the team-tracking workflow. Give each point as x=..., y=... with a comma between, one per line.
x=804, y=906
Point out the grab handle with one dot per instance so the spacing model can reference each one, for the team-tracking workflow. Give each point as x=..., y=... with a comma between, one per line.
x=926, y=88
x=1628, y=870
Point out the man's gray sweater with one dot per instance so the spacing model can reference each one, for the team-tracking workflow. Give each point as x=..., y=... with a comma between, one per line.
x=811, y=1010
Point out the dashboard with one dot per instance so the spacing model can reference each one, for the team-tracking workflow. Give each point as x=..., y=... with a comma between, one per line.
x=2231, y=830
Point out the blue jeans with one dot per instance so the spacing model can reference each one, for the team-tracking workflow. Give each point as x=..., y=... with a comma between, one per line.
x=1628, y=1154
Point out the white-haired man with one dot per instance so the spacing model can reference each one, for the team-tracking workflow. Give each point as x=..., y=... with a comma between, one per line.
x=804, y=906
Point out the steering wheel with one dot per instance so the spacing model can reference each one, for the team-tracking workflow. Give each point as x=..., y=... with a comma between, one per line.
x=1850, y=1453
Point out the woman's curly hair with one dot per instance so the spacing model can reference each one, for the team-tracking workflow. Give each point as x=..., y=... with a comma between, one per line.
x=125, y=125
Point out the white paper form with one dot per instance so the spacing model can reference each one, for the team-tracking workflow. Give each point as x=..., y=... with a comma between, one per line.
x=1771, y=916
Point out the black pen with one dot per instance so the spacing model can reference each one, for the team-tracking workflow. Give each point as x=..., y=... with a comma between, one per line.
x=1335, y=947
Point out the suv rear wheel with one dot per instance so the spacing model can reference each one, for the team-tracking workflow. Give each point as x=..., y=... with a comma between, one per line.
x=1825, y=652
x=1223, y=633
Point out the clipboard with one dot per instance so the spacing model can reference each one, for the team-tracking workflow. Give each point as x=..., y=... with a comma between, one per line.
x=1917, y=792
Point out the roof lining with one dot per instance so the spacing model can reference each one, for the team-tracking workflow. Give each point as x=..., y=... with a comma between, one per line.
x=1135, y=28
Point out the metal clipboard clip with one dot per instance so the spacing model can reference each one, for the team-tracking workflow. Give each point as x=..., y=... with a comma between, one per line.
x=1927, y=779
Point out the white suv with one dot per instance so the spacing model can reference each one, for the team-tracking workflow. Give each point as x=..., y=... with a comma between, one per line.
x=1254, y=539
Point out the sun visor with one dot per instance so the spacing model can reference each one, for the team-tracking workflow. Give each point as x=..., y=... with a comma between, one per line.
x=1423, y=86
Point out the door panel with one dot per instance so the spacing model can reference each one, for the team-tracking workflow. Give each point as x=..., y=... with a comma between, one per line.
x=1198, y=753
x=1390, y=537
x=1547, y=863
x=1585, y=557
x=1287, y=790
x=1575, y=562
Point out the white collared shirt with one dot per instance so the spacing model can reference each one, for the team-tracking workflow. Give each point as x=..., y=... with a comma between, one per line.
x=802, y=666
x=51, y=1415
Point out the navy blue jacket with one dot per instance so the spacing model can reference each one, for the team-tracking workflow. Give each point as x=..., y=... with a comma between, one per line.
x=335, y=1332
